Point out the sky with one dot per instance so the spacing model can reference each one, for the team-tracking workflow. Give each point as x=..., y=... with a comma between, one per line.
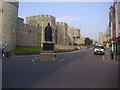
x=90, y=17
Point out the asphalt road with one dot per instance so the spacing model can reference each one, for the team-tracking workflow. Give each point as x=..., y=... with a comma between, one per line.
x=81, y=69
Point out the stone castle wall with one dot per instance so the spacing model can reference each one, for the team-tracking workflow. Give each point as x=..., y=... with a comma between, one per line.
x=17, y=33
x=71, y=35
x=76, y=32
x=82, y=40
x=77, y=36
x=28, y=35
x=9, y=24
x=62, y=33
x=42, y=21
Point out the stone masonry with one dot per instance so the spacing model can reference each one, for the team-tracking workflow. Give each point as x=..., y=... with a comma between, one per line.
x=62, y=32
x=42, y=21
x=15, y=32
x=71, y=35
x=9, y=13
x=28, y=35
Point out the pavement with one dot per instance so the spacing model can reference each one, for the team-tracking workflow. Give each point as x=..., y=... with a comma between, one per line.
x=0, y=69
x=107, y=57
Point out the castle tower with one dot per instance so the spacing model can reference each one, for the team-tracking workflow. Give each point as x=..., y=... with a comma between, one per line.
x=101, y=38
x=71, y=35
x=9, y=13
x=62, y=32
x=42, y=21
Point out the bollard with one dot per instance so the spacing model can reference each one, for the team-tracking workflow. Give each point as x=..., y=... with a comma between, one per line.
x=112, y=56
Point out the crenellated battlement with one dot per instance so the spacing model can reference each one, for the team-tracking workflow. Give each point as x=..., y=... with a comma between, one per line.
x=61, y=23
x=46, y=16
x=41, y=16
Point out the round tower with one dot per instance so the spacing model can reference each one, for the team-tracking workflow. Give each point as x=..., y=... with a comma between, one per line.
x=9, y=24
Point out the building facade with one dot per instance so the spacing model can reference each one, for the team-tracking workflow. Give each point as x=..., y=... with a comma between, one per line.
x=28, y=35
x=9, y=12
x=114, y=24
x=101, y=38
x=42, y=21
x=14, y=32
x=62, y=32
x=77, y=36
x=71, y=35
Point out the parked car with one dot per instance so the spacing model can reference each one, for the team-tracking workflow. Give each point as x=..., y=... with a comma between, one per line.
x=99, y=49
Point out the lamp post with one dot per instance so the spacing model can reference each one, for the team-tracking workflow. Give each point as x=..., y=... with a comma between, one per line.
x=112, y=55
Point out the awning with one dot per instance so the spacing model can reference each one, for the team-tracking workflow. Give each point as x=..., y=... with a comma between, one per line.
x=117, y=39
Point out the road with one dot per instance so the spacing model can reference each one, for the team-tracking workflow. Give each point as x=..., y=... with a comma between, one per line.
x=80, y=69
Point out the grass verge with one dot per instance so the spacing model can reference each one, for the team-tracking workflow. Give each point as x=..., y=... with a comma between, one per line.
x=26, y=50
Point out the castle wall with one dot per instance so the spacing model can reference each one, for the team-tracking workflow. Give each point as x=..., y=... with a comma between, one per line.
x=78, y=40
x=101, y=38
x=9, y=24
x=28, y=35
x=42, y=21
x=71, y=35
x=82, y=40
x=62, y=33
x=76, y=32
x=77, y=36
x=15, y=32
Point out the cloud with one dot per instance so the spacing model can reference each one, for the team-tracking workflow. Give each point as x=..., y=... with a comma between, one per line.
x=67, y=19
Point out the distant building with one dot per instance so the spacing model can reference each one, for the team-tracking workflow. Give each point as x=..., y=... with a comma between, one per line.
x=101, y=38
x=82, y=40
x=77, y=36
x=71, y=35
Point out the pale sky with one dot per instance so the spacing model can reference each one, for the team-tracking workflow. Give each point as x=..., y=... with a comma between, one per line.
x=90, y=17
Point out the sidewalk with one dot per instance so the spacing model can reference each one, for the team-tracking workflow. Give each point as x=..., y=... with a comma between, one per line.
x=107, y=56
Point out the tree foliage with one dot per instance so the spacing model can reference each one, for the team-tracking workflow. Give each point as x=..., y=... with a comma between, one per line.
x=88, y=41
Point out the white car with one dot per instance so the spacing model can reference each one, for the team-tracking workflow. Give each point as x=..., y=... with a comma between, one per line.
x=99, y=49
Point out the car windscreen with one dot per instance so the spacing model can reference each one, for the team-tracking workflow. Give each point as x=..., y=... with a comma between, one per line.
x=99, y=47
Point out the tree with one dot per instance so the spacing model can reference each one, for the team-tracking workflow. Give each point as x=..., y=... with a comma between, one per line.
x=88, y=41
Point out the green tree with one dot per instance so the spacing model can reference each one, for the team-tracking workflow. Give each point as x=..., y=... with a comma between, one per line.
x=88, y=41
